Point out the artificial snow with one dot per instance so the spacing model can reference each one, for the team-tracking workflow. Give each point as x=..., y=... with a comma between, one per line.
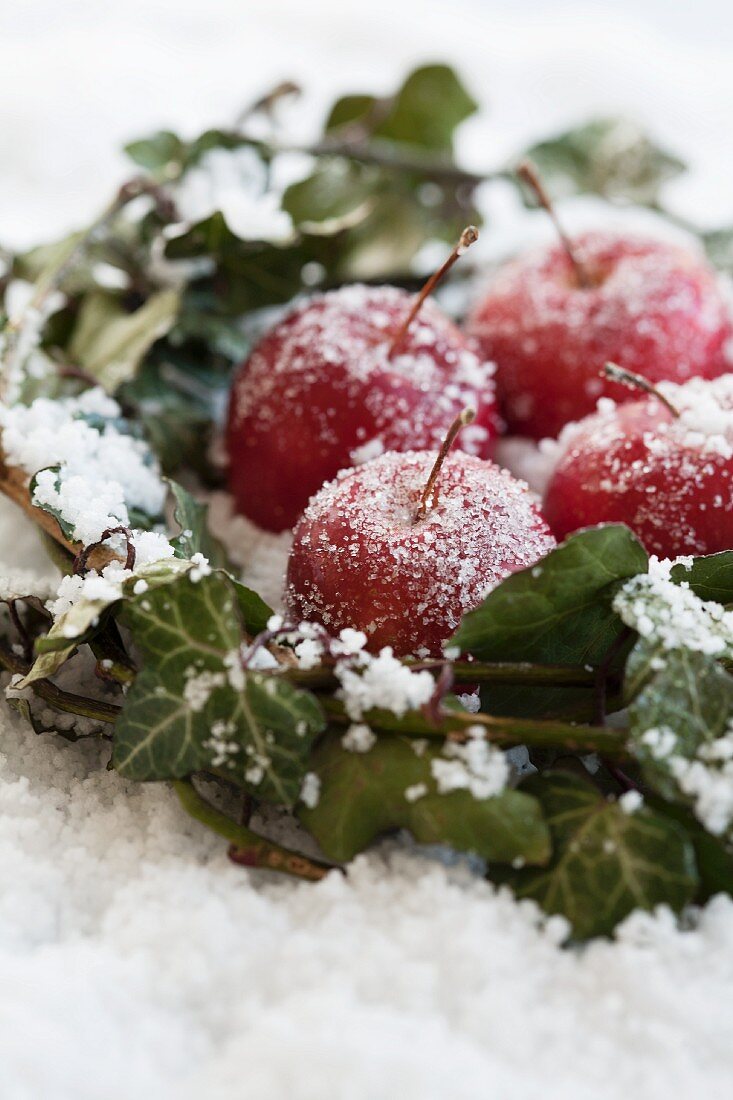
x=136, y=961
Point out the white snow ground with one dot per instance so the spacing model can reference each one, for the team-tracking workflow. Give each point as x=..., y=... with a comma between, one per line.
x=135, y=961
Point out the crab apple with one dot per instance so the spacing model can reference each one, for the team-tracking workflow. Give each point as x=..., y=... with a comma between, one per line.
x=665, y=470
x=654, y=308
x=386, y=550
x=343, y=377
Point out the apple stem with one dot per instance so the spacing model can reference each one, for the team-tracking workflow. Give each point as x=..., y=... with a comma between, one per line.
x=469, y=236
x=636, y=381
x=529, y=175
x=429, y=494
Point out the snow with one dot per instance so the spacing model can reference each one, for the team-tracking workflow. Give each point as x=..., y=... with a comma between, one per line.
x=476, y=766
x=135, y=960
x=147, y=965
x=381, y=681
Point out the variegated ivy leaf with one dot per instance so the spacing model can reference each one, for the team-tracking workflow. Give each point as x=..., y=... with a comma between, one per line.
x=193, y=706
x=605, y=862
x=681, y=731
x=82, y=620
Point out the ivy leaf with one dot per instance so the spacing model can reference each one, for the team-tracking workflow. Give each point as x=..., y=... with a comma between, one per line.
x=612, y=157
x=109, y=343
x=253, y=609
x=687, y=704
x=605, y=862
x=363, y=795
x=556, y=612
x=176, y=407
x=338, y=195
x=713, y=856
x=718, y=245
x=425, y=111
x=86, y=617
x=157, y=152
x=193, y=707
x=559, y=610
x=195, y=537
x=710, y=577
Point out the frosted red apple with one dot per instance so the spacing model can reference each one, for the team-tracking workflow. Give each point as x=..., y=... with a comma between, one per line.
x=321, y=392
x=669, y=479
x=653, y=308
x=362, y=558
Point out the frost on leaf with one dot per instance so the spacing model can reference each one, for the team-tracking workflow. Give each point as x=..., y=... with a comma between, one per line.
x=605, y=862
x=193, y=706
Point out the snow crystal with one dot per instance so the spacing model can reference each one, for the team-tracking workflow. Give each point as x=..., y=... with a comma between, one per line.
x=476, y=766
x=199, y=686
x=382, y=682
x=200, y=567
x=672, y=616
x=359, y=738
x=631, y=801
x=310, y=792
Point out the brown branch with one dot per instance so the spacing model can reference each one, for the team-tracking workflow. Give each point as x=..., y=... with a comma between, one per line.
x=14, y=484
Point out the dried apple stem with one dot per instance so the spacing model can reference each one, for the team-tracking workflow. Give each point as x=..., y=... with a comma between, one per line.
x=528, y=174
x=638, y=382
x=429, y=494
x=469, y=236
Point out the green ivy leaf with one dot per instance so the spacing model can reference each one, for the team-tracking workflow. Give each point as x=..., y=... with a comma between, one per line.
x=85, y=618
x=192, y=706
x=690, y=699
x=559, y=610
x=253, y=609
x=612, y=157
x=605, y=862
x=710, y=577
x=362, y=796
x=195, y=538
x=109, y=343
x=157, y=152
x=713, y=856
x=556, y=612
x=718, y=245
x=338, y=195
x=425, y=111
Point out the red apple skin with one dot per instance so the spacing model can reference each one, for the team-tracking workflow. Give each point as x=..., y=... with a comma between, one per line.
x=655, y=309
x=361, y=558
x=320, y=385
x=636, y=464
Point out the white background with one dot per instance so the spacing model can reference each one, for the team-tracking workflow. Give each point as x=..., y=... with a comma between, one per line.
x=79, y=77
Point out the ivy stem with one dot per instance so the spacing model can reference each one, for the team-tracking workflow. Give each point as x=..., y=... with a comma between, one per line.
x=246, y=847
x=539, y=733
x=67, y=701
x=499, y=672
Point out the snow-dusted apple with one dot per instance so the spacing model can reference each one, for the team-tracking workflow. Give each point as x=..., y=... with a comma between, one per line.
x=662, y=465
x=402, y=546
x=552, y=318
x=345, y=376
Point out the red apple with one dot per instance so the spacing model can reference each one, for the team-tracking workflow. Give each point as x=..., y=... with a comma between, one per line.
x=384, y=550
x=669, y=478
x=325, y=389
x=652, y=307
